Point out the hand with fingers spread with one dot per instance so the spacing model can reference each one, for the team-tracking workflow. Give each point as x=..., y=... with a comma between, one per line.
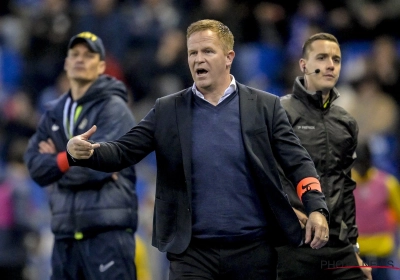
x=317, y=230
x=79, y=147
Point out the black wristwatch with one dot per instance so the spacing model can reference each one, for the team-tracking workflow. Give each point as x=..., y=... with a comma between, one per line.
x=323, y=212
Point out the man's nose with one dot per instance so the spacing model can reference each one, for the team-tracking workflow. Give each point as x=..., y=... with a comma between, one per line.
x=199, y=58
x=331, y=63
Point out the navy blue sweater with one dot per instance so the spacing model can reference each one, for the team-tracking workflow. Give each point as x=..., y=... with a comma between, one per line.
x=225, y=202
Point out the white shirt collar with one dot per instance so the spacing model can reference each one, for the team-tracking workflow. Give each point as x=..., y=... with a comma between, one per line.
x=231, y=89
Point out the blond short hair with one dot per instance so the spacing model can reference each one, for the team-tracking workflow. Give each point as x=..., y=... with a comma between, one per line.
x=222, y=31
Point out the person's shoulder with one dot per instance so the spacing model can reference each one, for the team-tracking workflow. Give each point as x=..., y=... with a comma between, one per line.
x=116, y=103
x=340, y=111
x=106, y=80
x=258, y=92
x=343, y=116
x=294, y=107
x=55, y=103
x=106, y=87
x=287, y=98
x=173, y=96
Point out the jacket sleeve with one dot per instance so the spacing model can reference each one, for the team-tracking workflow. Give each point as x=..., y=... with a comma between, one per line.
x=43, y=168
x=348, y=196
x=294, y=160
x=114, y=120
x=350, y=210
x=129, y=149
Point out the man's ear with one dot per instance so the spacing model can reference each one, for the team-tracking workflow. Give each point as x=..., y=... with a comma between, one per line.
x=229, y=58
x=102, y=67
x=302, y=64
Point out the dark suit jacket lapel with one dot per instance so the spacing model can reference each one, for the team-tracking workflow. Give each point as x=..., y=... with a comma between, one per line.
x=247, y=101
x=184, y=120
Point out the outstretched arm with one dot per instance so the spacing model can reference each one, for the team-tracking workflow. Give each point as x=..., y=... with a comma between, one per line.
x=112, y=156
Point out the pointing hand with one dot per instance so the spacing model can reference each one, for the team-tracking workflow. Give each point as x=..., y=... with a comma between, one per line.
x=79, y=147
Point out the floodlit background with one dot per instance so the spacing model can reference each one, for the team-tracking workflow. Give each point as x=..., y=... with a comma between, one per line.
x=146, y=48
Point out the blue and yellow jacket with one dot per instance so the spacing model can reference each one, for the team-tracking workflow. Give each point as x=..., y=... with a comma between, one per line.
x=330, y=136
x=84, y=201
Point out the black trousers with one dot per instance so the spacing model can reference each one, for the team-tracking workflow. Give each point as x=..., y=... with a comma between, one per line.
x=328, y=263
x=253, y=260
x=105, y=256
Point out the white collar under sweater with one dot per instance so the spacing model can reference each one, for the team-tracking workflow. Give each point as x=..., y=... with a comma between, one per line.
x=231, y=89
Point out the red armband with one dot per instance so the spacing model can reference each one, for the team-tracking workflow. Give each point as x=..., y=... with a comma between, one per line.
x=62, y=161
x=308, y=184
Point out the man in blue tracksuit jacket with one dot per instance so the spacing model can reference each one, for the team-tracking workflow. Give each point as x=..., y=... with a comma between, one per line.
x=94, y=214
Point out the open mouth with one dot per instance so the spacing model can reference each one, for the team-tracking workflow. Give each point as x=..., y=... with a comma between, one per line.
x=201, y=71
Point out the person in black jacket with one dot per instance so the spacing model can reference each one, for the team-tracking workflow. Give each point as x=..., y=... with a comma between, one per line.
x=94, y=213
x=219, y=206
x=329, y=134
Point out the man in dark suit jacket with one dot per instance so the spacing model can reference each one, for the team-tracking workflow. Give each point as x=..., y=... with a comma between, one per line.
x=220, y=208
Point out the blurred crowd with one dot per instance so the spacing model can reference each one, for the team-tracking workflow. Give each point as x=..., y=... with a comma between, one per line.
x=145, y=42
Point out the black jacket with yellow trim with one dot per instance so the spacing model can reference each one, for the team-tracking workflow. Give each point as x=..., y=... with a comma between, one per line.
x=329, y=134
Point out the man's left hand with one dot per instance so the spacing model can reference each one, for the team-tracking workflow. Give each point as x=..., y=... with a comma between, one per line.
x=317, y=230
x=47, y=147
